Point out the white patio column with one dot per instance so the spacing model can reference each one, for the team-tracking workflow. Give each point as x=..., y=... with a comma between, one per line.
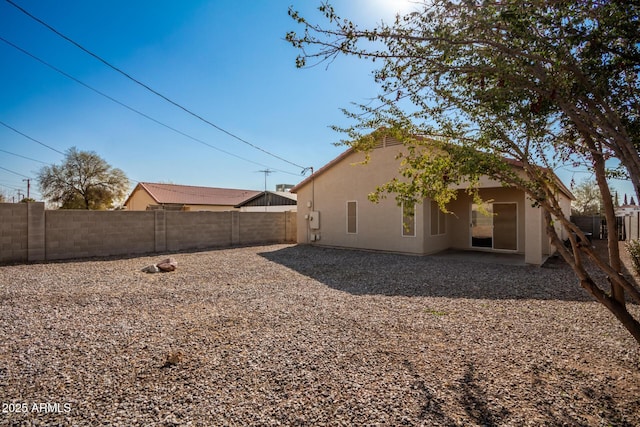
x=533, y=233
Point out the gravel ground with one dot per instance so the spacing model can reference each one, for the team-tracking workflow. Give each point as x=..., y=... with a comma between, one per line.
x=299, y=335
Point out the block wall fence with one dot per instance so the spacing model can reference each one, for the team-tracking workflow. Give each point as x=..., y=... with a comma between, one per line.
x=29, y=233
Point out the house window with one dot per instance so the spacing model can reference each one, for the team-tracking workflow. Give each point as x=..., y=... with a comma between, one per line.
x=408, y=220
x=352, y=217
x=438, y=219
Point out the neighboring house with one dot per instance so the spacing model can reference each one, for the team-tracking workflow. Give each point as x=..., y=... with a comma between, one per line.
x=334, y=211
x=269, y=201
x=150, y=196
x=627, y=210
x=629, y=221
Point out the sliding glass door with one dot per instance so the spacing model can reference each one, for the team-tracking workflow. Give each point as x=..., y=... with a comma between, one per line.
x=494, y=226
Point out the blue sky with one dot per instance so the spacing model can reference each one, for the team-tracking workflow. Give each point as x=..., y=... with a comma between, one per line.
x=225, y=60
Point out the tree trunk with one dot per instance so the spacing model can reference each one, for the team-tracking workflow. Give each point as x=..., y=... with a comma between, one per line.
x=619, y=310
x=617, y=291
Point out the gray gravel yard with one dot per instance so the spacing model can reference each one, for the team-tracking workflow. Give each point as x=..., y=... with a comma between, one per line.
x=299, y=335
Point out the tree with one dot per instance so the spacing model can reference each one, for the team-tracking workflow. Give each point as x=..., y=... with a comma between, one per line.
x=83, y=181
x=588, y=198
x=470, y=86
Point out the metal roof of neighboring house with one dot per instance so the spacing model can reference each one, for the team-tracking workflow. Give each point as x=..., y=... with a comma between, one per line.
x=193, y=195
x=292, y=198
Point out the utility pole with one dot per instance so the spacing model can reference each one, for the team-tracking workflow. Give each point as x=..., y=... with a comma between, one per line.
x=28, y=187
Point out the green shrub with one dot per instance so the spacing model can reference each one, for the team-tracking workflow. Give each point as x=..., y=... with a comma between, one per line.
x=633, y=247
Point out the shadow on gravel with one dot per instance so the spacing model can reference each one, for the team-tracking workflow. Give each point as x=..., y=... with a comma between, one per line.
x=372, y=273
x=476, y=403
x=482, y=408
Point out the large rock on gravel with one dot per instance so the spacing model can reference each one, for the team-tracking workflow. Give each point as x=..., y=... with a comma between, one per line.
x=169, y=264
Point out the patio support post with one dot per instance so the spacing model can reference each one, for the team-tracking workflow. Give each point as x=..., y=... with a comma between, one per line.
x=533, y=233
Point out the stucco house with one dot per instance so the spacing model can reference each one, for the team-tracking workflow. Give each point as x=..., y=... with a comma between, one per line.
x=628, y=209
x=333, y=210
x=150, y=196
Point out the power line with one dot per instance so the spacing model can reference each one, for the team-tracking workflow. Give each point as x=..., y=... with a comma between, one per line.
x=155, y=92
x=11, y=188
x=122, y=104
x=14, y=172
x=32, y=139
x=25, y=157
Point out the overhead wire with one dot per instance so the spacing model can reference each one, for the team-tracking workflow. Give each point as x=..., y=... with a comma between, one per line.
x=28, y=137
x=134, y=181
x=122, y=104
x=147, y=87
x=25, y=157
x=16, y=173
x=11, y=188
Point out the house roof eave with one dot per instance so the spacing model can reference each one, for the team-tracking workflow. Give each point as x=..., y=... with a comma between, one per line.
x=322, y=170
x=515, y=163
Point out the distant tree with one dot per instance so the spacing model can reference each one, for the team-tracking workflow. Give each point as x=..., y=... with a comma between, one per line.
x=3, y=198
x=27, y=200
x=83, y=181
x=588, y=198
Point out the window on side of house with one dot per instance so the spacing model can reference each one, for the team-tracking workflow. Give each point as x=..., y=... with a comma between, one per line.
x=408, y=220
x=438, y=220
x=352, y=217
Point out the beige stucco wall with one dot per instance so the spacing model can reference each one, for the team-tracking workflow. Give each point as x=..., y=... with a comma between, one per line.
x=139, y=201
x=380, y=225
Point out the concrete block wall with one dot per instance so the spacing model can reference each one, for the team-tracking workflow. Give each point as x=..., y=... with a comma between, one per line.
x=28, y=232
x=197, y=230
x=36, y=232
x=291, y=227
x=81, y=234
x=13, y=232
x=259, y=227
